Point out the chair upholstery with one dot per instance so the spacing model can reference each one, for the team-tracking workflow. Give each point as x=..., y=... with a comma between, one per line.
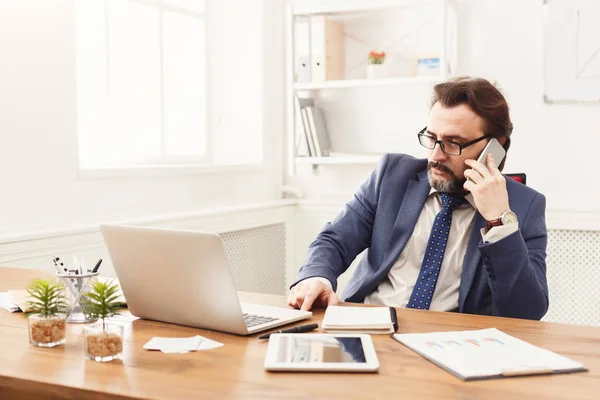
x=520, y=177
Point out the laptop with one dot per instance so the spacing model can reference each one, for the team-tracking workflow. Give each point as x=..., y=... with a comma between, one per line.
x=183, y=277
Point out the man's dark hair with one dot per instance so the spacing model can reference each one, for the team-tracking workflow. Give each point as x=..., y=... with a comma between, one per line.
x=483, y=98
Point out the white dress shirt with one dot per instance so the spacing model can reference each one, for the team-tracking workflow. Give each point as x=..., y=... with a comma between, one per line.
x=396, y=289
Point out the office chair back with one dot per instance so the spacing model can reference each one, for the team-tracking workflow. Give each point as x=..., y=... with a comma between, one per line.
x=520, y=177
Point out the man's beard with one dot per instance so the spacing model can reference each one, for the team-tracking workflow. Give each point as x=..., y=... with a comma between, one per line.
x=451, y=185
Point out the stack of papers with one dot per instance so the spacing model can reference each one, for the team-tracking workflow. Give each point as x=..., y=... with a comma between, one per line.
x=358, y=320
x=21, y=298
x=181, y=345
x=486, y=353
x=8, y=303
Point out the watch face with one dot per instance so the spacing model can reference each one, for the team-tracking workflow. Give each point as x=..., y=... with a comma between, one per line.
x=509, y=217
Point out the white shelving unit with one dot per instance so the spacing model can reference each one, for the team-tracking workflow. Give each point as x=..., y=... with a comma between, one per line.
x=350, y=104
x=364, y=83
x=318, y=7
x=356, y=159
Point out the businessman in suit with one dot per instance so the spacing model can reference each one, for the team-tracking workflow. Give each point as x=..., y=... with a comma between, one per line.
x=445, y=233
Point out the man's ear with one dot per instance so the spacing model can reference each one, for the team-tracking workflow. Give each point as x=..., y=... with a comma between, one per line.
x=502, y=140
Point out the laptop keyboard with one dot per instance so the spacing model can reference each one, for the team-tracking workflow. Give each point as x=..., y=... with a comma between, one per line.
x=253, y=320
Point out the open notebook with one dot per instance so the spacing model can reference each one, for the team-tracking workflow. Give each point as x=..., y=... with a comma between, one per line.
x=486, y=353
x=375, y=320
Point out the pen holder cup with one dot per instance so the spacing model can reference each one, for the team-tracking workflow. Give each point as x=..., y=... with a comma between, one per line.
x=75, y=287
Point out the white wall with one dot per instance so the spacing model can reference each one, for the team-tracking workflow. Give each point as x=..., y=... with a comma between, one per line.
x=555, y=145
x=41, y=190
x=502, y=40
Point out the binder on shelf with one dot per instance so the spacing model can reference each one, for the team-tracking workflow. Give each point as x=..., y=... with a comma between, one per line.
x=315, y=128
x=302, y=50
x=311, y=132
x=301, y=143
x=309, y=139
x=302, y=104
x=326, y=48
x=318, y=129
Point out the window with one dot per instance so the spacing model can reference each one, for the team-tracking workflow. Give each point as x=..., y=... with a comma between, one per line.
x=142, y=82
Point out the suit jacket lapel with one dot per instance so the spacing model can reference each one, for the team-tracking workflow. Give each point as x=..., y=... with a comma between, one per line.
x=471, y=260
x=410, y=209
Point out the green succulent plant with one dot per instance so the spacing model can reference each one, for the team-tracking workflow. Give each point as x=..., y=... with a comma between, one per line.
x=48, y=298
x=102, y=300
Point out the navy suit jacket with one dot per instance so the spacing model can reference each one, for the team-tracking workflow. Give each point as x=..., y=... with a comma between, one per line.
x=506, y=278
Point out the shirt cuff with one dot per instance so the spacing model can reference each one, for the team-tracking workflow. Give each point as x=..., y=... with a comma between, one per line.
x=498, y=233
x=318, y=278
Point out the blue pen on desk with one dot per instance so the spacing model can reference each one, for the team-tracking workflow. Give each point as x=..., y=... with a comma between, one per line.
x=297, y=329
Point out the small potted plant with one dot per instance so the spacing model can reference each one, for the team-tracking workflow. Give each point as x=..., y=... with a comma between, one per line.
x=103, y=340
x=376, y=60
x=47, y=313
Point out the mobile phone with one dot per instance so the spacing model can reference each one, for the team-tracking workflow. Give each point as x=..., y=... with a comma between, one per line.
x=495, y=148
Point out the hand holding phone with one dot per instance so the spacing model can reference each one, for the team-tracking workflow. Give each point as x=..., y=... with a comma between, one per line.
x=494, y=148
x=489, y=191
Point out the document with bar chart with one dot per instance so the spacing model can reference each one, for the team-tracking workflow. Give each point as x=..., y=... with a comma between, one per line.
x=486, y=353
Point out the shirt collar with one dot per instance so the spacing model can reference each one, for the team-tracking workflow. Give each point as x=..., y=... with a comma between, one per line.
x=468, y=197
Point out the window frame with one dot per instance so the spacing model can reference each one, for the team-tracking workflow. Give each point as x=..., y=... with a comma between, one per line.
x=165, y=165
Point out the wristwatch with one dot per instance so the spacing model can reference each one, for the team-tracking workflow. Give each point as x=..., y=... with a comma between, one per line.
x=507, y=217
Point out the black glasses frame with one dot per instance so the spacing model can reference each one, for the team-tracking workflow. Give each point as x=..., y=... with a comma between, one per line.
x=442, y=142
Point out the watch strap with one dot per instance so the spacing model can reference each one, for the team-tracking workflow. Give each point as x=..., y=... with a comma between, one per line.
x=494, y=222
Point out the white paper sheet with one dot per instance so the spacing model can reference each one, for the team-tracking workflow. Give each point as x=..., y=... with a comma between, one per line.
x=7, y=302
x=485, y=353
x=181, y=345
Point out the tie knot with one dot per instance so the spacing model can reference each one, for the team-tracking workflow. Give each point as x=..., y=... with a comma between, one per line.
x=451, y=201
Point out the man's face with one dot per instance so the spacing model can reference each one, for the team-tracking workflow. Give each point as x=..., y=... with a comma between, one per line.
x=459, y=124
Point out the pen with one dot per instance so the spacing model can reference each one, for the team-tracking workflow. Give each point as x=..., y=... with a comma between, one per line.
x=297, y=329
x=97, y=266
x=77, y=265
x=70, y=282
x=54, y=260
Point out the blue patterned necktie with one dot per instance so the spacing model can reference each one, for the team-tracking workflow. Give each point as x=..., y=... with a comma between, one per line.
x=434, y=254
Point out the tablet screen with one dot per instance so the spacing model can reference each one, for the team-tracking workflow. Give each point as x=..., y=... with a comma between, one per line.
x=319, y=349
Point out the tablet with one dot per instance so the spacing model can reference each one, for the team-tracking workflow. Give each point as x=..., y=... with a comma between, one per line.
x=321, y=352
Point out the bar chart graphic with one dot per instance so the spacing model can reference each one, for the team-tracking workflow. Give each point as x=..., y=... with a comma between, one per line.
x=467, y=341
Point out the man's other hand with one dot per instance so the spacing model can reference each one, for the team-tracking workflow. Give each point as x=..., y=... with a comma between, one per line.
x=312, y=291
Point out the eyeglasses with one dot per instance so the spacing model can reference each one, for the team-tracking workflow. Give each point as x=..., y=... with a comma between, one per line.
x=447, y=146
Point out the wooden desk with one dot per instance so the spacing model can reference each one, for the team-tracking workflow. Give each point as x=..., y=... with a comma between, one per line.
x=236, y=369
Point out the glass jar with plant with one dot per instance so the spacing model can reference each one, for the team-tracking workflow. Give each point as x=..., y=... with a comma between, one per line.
x=47, y=313
x=103, y=340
